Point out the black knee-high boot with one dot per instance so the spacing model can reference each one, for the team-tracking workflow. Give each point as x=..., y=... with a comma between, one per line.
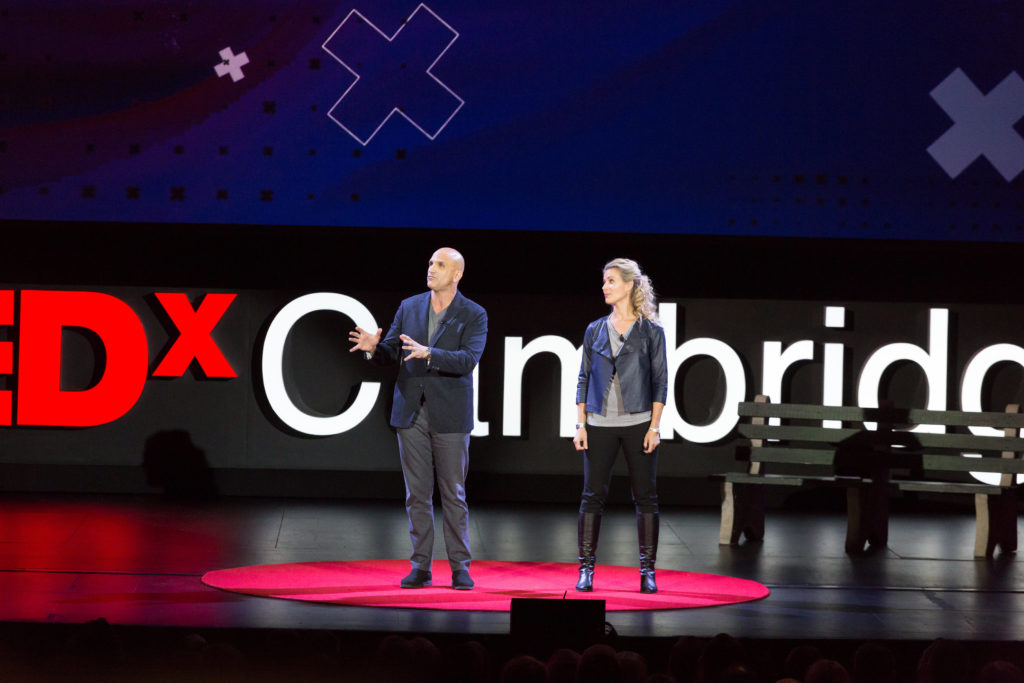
x=588, y=530
x=647, y=535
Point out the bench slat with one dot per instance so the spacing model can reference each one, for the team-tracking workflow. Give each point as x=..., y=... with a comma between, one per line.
x=799, y=456
x=968, y=442
x=794, y=433
x=948, y=487
x=780, y=480
x=792, y=480
x=801, y=411
x=929, y=462
x=957, y=463
x=855, y=414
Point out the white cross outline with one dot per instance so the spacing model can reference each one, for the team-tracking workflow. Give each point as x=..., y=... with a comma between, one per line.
x=395, y=110
x=983, y=125
x=231, y=64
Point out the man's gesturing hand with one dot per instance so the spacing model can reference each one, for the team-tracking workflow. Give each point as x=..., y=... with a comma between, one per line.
x=415, y=349
x=363, y=340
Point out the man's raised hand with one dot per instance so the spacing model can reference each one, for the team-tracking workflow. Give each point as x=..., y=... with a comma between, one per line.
x=363, y=340
x=415, y=349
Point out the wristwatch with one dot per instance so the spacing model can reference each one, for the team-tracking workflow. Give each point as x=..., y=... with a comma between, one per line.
x=581, y=425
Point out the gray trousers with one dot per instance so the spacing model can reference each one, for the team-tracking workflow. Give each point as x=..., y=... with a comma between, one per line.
x=424, y=452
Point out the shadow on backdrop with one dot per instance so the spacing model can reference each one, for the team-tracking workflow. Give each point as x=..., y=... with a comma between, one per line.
x=177, y=466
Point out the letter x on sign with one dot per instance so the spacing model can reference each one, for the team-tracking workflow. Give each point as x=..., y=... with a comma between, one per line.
x=393, y=74
x=983, y=125
x=194, y=340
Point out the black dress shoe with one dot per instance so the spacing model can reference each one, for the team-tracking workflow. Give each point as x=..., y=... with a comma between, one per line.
x=461, y=581
x=417, y=578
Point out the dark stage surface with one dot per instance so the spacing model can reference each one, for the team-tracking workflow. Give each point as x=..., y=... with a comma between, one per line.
x=138, y=561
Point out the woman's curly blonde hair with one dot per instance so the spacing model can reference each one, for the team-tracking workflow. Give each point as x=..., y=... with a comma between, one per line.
x=643, y=298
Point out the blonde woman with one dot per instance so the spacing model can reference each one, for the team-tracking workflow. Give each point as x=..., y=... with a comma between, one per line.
x=620, y=397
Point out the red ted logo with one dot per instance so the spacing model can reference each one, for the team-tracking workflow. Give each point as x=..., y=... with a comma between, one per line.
x=44, y=315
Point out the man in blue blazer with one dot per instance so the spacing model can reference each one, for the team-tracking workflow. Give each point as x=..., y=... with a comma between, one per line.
x=436, y=341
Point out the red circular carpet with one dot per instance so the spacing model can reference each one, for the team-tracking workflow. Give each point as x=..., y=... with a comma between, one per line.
x=374, y=583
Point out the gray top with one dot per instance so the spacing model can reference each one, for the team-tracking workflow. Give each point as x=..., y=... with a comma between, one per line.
x=433, y=320
x=613, y=415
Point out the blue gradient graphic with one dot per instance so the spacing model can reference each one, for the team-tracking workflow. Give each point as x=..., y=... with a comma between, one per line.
x=717, y=117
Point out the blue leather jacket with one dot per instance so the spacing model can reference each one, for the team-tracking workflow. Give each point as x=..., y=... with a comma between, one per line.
x=642, y=366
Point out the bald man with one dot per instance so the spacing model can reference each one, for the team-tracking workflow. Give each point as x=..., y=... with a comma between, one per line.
x=435, y=341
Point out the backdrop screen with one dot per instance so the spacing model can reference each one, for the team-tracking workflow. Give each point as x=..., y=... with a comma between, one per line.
x=718, y=117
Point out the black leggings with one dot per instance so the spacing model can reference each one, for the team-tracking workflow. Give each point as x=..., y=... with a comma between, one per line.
x=602, y=447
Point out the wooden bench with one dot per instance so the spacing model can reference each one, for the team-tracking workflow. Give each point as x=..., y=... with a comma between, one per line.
x=870, y=463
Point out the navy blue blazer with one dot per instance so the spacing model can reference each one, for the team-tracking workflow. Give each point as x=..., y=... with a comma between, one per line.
x=642, y=365
x=447, y=384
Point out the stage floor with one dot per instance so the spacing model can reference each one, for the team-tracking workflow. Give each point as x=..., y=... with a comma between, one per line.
x=138, y=561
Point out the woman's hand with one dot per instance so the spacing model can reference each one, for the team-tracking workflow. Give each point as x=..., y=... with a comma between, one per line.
x=651, y=440
x=580, y=441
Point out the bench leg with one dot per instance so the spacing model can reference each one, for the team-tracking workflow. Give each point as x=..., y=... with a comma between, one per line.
x=867, y=516
x=742, y=513
x=995, y=523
